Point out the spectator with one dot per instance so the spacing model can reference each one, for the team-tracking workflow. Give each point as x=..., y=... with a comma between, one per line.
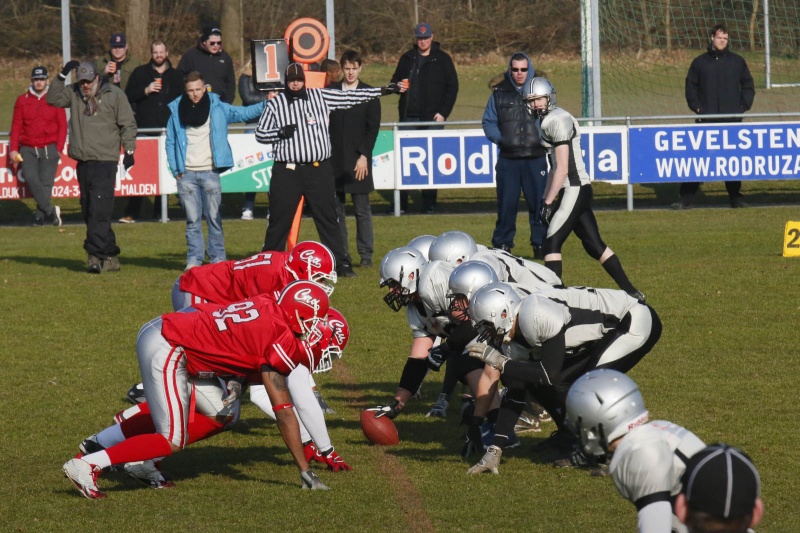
x=96, y=133
x=718, y=82
x=198, y=152
x=333, y=71
x=250, y=95
x=118, y=65
x=209, y=59
x=353, y=135
x=720, y=491
x=38, y=134
x=433, y=87
x=150, y=88
x=522, y=164
x=296, y=124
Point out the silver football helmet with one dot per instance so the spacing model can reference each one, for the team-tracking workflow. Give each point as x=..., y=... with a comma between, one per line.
x=465, y=279
x=539, y=87
x=493, y=308
x=603, y=405
x=400, y=270
x=455, y=247
x=423, y=244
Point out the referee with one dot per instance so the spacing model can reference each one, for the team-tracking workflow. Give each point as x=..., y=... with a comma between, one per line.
x=296, y=123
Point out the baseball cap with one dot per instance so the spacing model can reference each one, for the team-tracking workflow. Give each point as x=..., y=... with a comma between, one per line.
x=39, y=73
x=295, y=72
x=423, y=30
x=722, y=481
x=85, y=72
x=118, y=40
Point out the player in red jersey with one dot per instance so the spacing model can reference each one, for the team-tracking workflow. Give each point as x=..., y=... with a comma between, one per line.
x=262, y=273
x=240, y=340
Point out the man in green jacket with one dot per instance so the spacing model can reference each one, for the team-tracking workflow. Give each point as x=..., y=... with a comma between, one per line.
x=101, y=121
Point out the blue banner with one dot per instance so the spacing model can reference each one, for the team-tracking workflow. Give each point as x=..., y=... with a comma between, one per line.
x=604, y=152
x=714, y=152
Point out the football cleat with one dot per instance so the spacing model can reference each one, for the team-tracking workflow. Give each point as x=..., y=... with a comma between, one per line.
x=559, y=440
x=84, y=477
x=148, y=474
x=326, y=409
x=527, y=422
x=90, y=445
x=136, y=394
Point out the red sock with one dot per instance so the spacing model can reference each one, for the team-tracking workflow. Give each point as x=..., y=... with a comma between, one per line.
x=139, y=424
x=201, y=427
x=139, y=448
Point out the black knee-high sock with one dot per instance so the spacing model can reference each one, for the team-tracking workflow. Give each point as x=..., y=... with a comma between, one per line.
x=555, y=266
x=614, y=269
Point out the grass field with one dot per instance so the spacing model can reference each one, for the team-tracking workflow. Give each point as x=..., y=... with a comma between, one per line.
x=726, y=367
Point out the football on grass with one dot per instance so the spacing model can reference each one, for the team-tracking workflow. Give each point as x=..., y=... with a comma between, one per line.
x=381, y=431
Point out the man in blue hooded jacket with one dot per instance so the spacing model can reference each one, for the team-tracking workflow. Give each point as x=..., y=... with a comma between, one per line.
x=522, y=164
x=198, y=152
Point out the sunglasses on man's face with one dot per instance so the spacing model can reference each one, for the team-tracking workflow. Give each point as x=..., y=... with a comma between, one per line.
x=519, y=70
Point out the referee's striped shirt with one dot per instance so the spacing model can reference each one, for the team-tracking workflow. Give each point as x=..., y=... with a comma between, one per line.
x=311, y=141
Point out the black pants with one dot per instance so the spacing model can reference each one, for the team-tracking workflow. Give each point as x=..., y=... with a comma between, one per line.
x=97, y=180
x=690, y=188
x=316, y=184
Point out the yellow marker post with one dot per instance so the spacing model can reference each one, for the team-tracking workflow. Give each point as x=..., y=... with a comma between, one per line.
x=791, y=239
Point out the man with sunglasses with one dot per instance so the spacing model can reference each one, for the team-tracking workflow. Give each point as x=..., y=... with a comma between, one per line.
x=522, y=163
x=432, y=92
x=209, y=59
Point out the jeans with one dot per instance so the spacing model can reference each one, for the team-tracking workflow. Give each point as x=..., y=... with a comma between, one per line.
x=201, y=196
x=364, y=238
x=529, y=175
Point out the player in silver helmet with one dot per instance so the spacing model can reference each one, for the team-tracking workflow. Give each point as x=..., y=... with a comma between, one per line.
x=568, y=195
x=455, y=247
x=423, y=244
x=606, y=410
x=543, y=342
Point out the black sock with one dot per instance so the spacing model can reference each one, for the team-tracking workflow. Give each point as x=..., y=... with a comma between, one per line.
x=614, y=269
x=555, y=266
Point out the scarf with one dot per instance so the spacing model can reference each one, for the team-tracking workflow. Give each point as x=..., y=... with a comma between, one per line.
x=194, y=115
x=91, y=99
x=291, y=96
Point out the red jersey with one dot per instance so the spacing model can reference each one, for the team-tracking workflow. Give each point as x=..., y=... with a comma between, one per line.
x=237, y=339
x=233, y=281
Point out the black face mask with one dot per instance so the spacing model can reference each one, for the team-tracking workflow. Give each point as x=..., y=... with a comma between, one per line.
x=194, y=115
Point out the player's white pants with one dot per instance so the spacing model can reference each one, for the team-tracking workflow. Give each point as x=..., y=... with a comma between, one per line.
x=166, y=382
x=181, y=299
x=636, y=337
x=306, y=407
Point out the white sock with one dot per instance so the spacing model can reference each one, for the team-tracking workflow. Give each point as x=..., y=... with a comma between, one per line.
x=98, y=459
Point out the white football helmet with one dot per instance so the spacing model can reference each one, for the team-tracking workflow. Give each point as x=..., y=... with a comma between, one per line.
x=423, y=244
x=493, y=308
x=603, y=405
x=400, y=270
x=538, y=88
x=455, y=247
x=465, y=279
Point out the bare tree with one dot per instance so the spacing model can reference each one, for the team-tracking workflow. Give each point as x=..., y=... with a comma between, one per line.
x=231, y=22
x=137, y=28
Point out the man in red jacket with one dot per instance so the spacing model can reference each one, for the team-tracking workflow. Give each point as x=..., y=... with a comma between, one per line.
x=38, y=134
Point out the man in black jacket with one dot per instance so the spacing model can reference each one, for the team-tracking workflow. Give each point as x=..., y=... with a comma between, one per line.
x=353, y=133
x=209, y=59
x=522, y=164
x=150, y=88
x=433, y=88
x=718, y=82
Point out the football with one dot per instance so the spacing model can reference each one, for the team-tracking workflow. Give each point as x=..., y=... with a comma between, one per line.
x=381, y=431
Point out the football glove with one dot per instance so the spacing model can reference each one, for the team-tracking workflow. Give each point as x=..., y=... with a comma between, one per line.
x=439, y=409
x=69, y=67
x=311, y=481
x=287, y=132
x=489, y=462
x=234, y=392
x=546, y=213
x=437, y=356
x=311, y=452
x=391, y=410
x=333, y=460
x=489, y=355
x=473, y=440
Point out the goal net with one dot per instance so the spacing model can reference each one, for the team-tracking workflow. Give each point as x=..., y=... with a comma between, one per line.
x=646, y=47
